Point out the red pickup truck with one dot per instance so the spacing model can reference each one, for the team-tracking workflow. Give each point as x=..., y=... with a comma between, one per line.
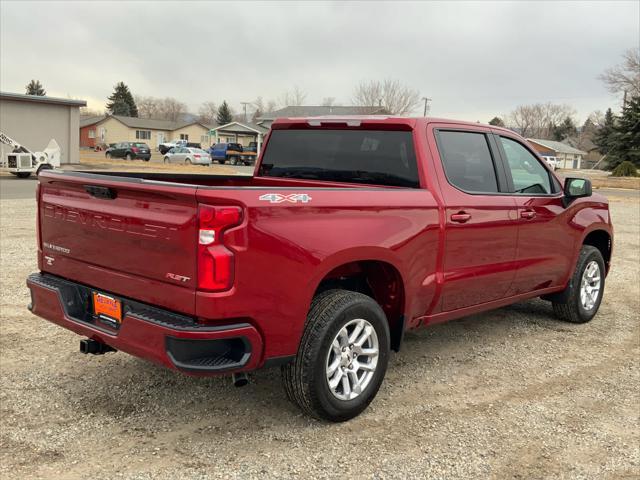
x=352, y=231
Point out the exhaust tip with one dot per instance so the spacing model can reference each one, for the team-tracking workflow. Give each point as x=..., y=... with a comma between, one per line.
x=93, y=347
x=239, y=379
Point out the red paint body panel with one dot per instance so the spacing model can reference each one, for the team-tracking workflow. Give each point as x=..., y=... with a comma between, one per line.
x=282, y=251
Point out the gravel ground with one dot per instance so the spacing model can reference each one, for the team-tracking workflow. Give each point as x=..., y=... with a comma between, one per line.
x=511, y=393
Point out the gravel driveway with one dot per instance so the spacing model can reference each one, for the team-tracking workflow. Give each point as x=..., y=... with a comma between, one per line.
x=507, y=394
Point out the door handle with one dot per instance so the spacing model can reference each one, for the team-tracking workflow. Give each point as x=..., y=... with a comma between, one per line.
x=527, y=214
x=460, y=217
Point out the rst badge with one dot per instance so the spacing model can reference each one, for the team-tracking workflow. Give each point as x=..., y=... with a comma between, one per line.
x=280, y=198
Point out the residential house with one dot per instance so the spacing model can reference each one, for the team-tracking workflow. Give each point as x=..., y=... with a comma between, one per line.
x=568, y=156
x=239, y=132
x=584, y=142
x=115, y=128
x=317, y=111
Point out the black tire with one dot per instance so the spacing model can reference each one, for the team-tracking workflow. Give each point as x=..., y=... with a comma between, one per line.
x=23, y=174
x=233, y=161
x=221, y=162
x=128, y=157
x=572, y=310
x=187, y=161
x=108, y=155
x=167, y=160
x=304, y=379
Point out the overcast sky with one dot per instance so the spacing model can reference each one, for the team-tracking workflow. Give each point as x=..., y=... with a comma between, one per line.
x=474, y=59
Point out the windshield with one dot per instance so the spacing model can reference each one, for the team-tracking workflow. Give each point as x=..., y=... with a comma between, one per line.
x=356, y=156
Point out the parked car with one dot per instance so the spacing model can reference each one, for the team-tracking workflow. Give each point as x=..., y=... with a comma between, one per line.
x=196, y=156
x=232, y=153
x=164, y=147
x=353, y=231
x=553, y=162
x=129, y=151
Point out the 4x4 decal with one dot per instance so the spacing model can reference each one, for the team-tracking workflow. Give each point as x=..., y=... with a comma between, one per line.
x=280, y=198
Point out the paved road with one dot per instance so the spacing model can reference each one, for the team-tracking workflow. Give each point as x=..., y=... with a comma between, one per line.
x=11, y=187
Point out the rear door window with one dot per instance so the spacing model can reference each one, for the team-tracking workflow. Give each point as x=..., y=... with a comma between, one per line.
x=379, y=157
x=467, y=161
x=528, y=174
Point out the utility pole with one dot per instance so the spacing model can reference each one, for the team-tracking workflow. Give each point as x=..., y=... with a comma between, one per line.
x=426, y=105
x=244, y=104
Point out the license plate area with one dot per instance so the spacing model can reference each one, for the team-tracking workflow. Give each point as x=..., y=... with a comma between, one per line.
x=107, y=308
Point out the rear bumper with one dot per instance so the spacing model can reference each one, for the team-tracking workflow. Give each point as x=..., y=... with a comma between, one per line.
x=170, y=339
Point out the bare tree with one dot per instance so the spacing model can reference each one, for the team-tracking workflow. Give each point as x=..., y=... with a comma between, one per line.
x=538, y=120
x=148, y=107
x=293, y=98
x=624, y=77
x=160, y=108
x=207, y=113
x=271, y=106
x=328, y=101
x=394, y=97
x=171, y=109
x=90, y=112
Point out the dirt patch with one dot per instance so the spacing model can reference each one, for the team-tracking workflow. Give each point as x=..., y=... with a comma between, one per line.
x=511, y=393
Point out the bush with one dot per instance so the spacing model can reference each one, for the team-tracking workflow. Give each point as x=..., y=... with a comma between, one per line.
x=625, y=169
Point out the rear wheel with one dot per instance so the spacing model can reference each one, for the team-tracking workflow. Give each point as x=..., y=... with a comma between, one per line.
x=586, y=287
x=187, y=161
x=108, y=155
x=342, y=358
x=22, y=174
x=233, y=160
x=128, y=156
x=167, y=160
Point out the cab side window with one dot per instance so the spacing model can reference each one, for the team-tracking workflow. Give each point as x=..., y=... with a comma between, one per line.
x=529, y=176
x=467, y=161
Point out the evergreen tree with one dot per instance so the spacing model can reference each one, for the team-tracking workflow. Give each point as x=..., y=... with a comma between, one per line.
x=603, y=137
x=566, y=129
x=224, y=115
x=120, y=97
x=34, y=87
x=496, y=121
x=625, y=139
x=120, y=107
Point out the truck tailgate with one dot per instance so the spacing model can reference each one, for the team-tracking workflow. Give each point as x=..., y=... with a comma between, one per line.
x=122, y=235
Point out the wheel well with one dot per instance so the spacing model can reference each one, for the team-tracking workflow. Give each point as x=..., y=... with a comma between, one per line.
x=602, y=241
x=379, y=280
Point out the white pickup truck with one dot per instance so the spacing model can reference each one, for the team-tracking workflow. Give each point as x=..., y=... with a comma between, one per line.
x=164, y=147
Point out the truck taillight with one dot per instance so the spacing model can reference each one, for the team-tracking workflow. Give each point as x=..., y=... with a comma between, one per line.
x=215, y=261
x=134, y=149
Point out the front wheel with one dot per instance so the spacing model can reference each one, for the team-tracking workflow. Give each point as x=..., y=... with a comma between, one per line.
x=586, y=287
x=166, y=160
x=129, y=157
x=342, y=358
x=22, y=174
x=108, y=156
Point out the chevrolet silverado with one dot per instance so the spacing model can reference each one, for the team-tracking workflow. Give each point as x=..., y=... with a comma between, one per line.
x=350, y=232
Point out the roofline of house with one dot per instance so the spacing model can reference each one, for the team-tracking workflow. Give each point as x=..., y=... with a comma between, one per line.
x=236, y=123
x=115, y=117
x=577, y=151
x=21, y=97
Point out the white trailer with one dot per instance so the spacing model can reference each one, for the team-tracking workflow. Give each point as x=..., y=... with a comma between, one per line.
x=22, y=162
